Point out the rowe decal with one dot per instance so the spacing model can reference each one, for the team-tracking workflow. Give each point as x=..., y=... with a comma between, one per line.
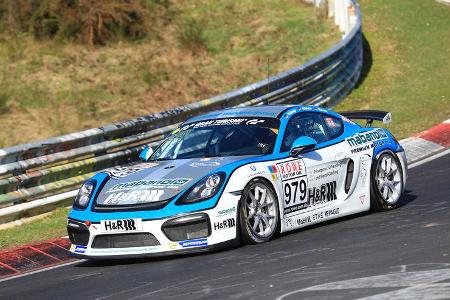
x=363, y=138
x=139, y=196
x=303, y=198
x=291, y=169
x=225, y=224
x=145, y=184
x=194, y=243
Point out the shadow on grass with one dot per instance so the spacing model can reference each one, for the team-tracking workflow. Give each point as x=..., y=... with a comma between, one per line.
x=367, y=61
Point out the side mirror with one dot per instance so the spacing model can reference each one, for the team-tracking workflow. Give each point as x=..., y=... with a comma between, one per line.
x=301, y=145
x=146, y=153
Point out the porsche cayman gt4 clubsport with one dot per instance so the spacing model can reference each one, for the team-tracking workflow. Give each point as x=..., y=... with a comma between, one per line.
x=239, y=175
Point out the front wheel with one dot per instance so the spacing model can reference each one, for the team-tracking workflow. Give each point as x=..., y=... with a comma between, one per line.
x=258, y=215
x=387, y=182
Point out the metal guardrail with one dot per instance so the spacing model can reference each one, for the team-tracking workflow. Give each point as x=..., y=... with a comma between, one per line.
x=51, y=169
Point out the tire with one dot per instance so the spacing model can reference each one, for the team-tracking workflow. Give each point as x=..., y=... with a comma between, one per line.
x=386, y=182
x=259, y=216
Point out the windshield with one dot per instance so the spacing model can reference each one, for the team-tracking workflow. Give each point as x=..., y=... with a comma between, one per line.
x=220, y=137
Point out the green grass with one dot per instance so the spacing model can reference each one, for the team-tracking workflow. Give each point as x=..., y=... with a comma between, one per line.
x=51, y=226
x=410, y=72
x=201, y=49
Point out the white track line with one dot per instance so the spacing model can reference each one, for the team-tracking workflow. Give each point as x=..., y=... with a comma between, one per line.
x=42, y=270
x=428, y=159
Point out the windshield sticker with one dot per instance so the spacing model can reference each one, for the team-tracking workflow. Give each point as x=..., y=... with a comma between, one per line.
x=262, y=122
x=145, y=184
x=348, y=120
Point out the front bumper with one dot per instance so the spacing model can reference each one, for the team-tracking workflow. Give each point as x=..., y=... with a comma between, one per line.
x=154, y=239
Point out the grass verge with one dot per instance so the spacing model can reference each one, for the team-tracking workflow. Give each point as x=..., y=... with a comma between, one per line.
x=52, y=225
x=407, y=61
x=49, y=88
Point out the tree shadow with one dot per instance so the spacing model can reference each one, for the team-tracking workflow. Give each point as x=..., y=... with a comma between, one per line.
x=367, y=61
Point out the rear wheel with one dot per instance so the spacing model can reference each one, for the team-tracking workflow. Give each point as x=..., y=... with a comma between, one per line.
x=387, y=182
x=259, y=214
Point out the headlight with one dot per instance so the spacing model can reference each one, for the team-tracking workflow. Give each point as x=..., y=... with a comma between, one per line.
x=84, y=194
x=204, y=189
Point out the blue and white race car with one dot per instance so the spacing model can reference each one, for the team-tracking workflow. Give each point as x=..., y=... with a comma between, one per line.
x=239, y=175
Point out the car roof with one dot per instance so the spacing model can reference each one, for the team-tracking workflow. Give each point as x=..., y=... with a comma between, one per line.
x=270, y=111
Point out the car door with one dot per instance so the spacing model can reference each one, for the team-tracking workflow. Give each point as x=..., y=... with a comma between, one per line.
x=321, y=185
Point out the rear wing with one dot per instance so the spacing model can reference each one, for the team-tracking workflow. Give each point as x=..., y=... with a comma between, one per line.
x=369, y=116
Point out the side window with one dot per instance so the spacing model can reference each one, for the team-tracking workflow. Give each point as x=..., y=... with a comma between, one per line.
x=334, y=126
x=304, y=124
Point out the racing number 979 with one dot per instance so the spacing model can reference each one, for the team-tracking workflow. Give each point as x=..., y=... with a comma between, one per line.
x=292, y=188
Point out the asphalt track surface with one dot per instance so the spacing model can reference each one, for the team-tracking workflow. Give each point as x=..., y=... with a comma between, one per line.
x=400, y=254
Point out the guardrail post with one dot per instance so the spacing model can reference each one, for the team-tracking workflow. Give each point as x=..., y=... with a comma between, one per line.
x=331, y=8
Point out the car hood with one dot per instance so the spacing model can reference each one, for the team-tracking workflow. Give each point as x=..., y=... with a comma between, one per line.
x=156, y=181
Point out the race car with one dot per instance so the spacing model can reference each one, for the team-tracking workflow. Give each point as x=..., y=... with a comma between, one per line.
x=239, y=175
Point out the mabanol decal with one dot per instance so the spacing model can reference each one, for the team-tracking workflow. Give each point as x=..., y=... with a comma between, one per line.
x=225, y=224
x=362, y=141
x=146, y=184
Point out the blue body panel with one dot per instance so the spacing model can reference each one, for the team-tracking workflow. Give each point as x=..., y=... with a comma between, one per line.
x=284, y=113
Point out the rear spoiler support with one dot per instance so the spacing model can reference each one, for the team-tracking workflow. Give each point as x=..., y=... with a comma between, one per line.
x=368, y=115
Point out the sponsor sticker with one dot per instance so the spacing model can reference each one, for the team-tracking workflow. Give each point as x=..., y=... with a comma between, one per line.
x=364, y=138
x=226, y=212
x=121, y=172
x=290, y=169
x=298, y=197
x=330, y=122
x=205, y=164
x=348, y=120
x=273, y=172
x=133, y=197
x=124, y=225
x=225, y=224
x=305, y=220
x=149, y=184
x=193, y=243
x=80, y=249
x=362, y=198
x=324, y=172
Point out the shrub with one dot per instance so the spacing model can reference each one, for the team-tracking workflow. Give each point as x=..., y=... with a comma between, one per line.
x=191, y=35
x=93, y=22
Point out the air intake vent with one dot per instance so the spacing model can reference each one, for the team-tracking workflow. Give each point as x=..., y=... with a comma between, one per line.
x=349, y=177
x=127, y=240
x=187, y=228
